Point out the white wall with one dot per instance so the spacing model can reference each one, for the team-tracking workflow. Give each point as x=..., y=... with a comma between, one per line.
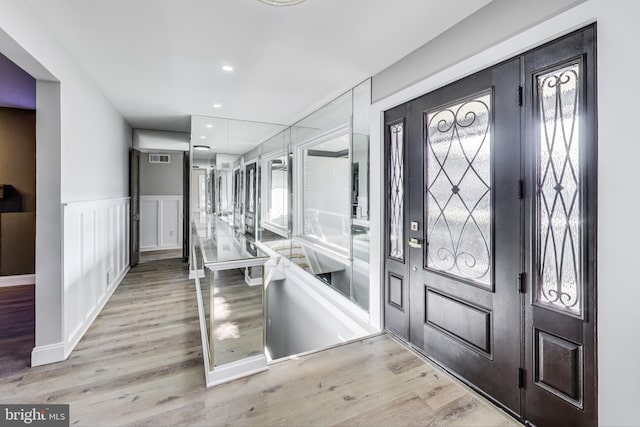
x=162, y=179
x=82, y=154
x=618, y=207
x=146, y=140
x=301, y=319
x=618, y=152
x=160, y=222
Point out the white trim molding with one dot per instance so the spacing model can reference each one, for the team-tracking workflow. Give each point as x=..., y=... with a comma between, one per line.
x=46, y=354
x=18, y=280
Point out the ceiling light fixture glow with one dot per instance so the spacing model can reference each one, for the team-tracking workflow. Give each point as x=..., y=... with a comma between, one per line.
x=203, y=137
x=281, y=2
x=217, y=106
x=201, y=147
x=228, y=68
x=209, y=126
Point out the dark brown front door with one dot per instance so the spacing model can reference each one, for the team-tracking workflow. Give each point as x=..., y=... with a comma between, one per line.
x=251, y=199
x=490, y=230
x=134, y=212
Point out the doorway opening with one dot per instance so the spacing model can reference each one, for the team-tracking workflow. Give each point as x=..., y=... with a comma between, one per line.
x=159, y=168
x=17, y=216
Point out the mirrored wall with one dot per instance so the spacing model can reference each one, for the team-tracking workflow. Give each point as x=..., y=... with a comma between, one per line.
x=302, y=191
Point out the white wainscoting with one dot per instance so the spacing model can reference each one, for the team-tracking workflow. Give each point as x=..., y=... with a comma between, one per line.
x=96, y=259
x=160, y=222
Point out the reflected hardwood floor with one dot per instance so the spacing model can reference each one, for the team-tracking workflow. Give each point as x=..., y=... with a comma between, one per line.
x=239, y=320
x=160, y=255
x=141, y=364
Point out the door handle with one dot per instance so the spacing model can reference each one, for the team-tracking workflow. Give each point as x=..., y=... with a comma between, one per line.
x=415, y=243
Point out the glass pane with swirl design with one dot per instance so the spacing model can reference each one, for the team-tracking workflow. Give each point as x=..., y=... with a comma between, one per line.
x=559, y=212
x=252, y=187
x=396, y=191
x=459, y=189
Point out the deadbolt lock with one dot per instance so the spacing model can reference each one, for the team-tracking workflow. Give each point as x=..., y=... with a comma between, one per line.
x=415, y=226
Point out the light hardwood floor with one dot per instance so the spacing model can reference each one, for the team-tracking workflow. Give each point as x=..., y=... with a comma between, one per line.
x=160, y=255
x=141, y=364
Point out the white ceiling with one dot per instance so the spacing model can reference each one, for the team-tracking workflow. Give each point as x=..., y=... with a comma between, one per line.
x=159, y=61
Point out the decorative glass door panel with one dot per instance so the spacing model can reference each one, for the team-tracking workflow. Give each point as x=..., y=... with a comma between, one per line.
x=396, y=191
x=458, y=177
x=559, y=201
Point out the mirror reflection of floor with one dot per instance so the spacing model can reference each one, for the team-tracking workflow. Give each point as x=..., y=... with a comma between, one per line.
x=160, y=255
x=238, y=318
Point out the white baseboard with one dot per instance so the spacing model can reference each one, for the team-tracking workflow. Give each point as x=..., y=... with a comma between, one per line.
x=46, y=354
x=24, y=279
x=235, y=370
x=79, y=333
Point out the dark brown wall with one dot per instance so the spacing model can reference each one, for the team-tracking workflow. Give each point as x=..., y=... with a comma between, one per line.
x=18, y=169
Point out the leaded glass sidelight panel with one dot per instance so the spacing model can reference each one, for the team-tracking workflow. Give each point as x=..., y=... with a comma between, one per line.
x=559, y=202
x=252, y=189
x=396, y=191
x=459, y=189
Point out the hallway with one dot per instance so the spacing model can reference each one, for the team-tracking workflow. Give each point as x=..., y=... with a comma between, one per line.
x=141, y=364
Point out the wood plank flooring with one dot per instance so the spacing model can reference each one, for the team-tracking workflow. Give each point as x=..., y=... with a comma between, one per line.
x=141, y=364
x=17, y=327
x=160, y=255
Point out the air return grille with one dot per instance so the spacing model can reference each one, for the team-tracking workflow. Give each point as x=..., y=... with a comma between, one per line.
x=159, y=158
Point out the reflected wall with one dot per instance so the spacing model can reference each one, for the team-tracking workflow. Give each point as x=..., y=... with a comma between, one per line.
x=303, y=191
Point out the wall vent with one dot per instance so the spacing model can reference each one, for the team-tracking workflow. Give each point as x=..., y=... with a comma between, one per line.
x=159, y=158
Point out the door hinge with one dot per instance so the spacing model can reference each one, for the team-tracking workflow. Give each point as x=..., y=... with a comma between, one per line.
x=520, y=189
x=521, y=282
x=520, y=378
x=519, y=96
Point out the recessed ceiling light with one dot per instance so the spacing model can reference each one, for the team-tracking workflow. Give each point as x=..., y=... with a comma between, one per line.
x=201, y=147
x=281, y=2
x=217, y=106
x=227, y=68
x=203, y=137
x=209, y=126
